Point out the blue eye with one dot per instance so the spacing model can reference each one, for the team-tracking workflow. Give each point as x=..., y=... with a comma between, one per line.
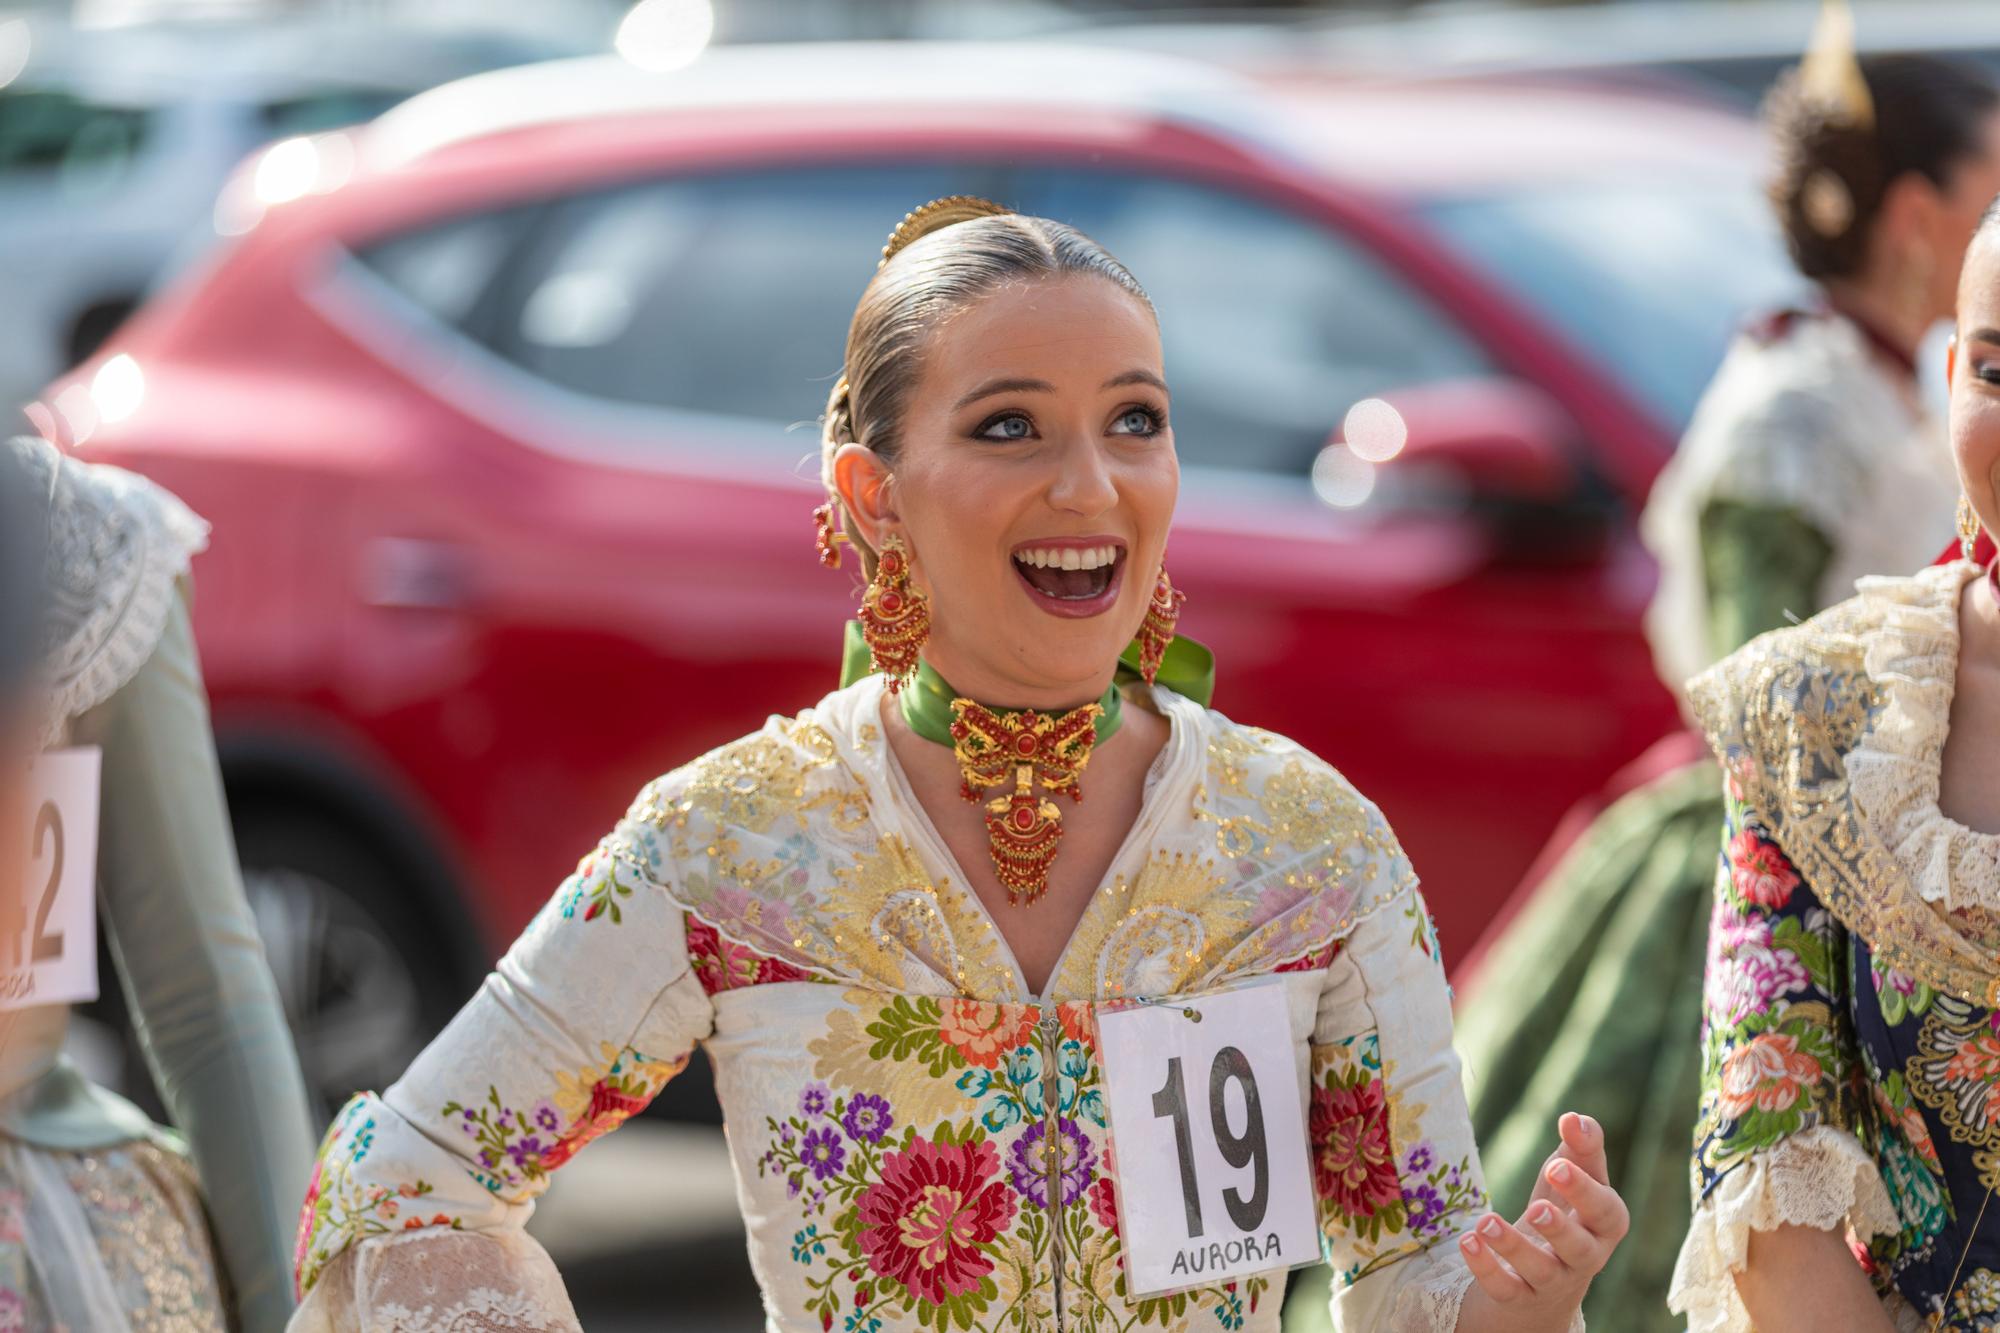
x=1137, y=421
x=1007, y=426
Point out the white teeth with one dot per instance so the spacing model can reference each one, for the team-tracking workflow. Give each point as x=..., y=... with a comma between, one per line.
x=1069, y=557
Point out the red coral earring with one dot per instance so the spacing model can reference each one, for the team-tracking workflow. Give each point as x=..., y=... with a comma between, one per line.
x=1157, y=630
x=895, y=615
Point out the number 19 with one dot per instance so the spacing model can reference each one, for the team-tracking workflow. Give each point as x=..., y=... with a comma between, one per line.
x=1246, y=1149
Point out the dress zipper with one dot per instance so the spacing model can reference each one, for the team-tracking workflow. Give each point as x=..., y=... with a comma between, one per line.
x=1051, y=1026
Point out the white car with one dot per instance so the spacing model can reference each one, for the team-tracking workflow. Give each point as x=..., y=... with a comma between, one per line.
x=115, y=142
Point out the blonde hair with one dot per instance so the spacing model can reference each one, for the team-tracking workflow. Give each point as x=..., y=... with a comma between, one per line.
x=940, y=259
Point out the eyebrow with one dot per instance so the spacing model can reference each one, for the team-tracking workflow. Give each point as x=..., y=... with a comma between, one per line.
x=1136, y=377
x=1984, y=336
x=992, y=387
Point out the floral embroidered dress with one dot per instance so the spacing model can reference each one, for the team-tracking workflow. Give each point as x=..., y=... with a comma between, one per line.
x=1851, y=1027
x=890, y=1085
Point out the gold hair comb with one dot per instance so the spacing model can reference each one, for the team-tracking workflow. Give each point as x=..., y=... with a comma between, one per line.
x=1830, y=74
x=936, y=216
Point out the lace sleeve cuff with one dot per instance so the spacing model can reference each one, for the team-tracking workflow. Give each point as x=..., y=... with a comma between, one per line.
x=1821, y=1177
x=1433, y=1304
x=439, y=1282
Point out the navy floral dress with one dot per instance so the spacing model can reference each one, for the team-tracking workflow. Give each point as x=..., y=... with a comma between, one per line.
x=1851, y=1024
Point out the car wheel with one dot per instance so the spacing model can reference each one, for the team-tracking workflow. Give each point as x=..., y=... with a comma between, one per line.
x=362, y=981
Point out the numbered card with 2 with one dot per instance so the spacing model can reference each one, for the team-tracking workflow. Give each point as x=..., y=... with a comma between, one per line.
x=48, y=936
x=1208, y=1121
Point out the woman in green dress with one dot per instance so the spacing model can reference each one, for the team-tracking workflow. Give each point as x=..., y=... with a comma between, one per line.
x=1809, y=463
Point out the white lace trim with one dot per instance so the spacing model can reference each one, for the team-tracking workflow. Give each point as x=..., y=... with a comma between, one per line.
x=1821, y=1178
x=1434, y=1306
x=1896, y=768
x=118, y=544
x=435, y=1281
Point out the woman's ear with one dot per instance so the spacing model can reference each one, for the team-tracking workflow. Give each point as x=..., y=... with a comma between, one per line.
x=863, y=481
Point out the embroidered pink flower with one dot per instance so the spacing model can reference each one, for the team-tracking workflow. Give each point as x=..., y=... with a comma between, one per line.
x=1760, y=870
x=1104, y=1205
x=1747, y=973
x=1354, y=1166
x=721, y=964
x=610, y=1107
x=983, y=1032
x=1769, y=1073
x=924, y=1223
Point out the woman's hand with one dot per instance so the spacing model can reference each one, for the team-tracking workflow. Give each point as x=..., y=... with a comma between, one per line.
x=1532, y=1274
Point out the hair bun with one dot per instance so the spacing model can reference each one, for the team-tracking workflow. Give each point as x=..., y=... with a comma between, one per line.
x=936, y=216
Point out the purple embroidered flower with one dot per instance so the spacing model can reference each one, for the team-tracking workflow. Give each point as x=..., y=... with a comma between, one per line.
x=1426, y=1208
x=792, y=1187
x=813, y=1101
x=526, y=1152
x=823, y=1152
x=1420, y=1160
x=547, y=1118
x=1030, y=1170
x=868, y=1118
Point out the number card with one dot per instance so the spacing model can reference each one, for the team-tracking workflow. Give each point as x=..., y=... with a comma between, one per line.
x=1208, y=1118
x=48, y=936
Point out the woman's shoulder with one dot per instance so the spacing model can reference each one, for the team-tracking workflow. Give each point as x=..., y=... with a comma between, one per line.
x=1270, y=798
x=118, y=545
x=776, y=774
x=1787, y=709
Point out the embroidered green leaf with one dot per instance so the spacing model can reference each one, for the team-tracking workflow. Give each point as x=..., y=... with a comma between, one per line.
x=907, y=1029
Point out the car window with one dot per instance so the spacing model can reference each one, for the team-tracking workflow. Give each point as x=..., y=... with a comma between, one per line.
x=727, y=294
x=1648, y=278
x=1272, y=324
x=446, y=269
x=327, y=109
x=88, y=144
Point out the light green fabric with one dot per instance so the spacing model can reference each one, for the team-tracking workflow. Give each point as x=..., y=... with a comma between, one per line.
x=1763, y=567
x=195, y=979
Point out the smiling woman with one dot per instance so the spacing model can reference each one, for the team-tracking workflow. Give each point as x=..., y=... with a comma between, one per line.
x=916, y=954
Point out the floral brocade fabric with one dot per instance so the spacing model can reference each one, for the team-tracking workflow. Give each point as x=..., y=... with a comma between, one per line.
x=919, y=1141
x=1850, y=1039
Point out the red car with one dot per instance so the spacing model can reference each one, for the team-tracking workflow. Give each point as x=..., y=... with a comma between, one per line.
x=504, y=411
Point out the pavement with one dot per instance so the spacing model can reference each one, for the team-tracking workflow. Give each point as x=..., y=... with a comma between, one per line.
x=645, y=1228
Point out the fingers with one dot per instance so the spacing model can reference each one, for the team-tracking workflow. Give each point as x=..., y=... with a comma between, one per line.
x=1535, y=1264
x=1494, y=1278
x=1581, y=1252
x=1597, y=1206
x=1583, y=1143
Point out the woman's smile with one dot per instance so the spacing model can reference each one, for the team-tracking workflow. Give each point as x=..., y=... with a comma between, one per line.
x=1076, y=577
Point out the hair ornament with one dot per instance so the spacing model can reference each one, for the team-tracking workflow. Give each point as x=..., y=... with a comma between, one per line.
x=937, y=215
x=1827, y=204
x=1830, y=74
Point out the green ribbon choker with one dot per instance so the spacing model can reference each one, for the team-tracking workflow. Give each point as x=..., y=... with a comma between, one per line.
x=1188, y=669
x=927, y=700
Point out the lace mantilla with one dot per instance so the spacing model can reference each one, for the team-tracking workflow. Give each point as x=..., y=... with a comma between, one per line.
x=1895, y=768
x=117, y=546
x=1821, y=1178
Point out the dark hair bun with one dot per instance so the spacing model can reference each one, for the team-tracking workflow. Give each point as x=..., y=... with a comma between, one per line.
x=1834, y=170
